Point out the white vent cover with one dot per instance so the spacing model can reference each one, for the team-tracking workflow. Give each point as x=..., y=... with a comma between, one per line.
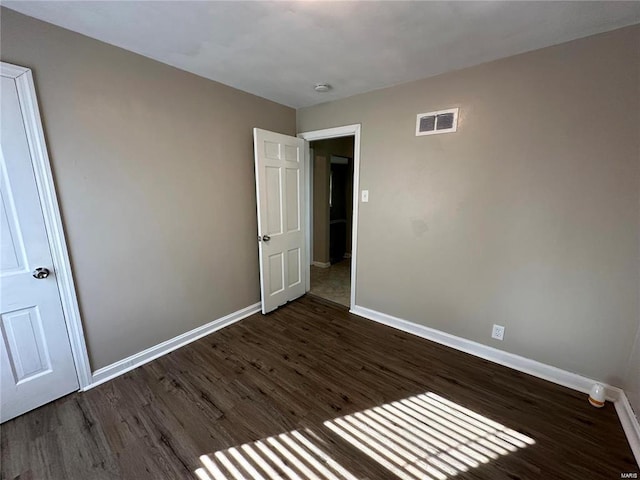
x=432, y=123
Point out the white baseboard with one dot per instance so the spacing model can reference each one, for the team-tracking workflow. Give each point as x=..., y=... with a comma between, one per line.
x=321, y=264
x=116, y=369
x=537, y=369
x=630, y=424
x=522, y=364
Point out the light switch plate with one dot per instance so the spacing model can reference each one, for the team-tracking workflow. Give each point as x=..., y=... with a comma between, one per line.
x=365, y=195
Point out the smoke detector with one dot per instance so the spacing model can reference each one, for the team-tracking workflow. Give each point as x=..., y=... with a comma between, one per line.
x=322, y=87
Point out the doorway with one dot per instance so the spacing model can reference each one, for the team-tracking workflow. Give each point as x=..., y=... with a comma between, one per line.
x=331, y=206
x=332, y=212
x=284, y=174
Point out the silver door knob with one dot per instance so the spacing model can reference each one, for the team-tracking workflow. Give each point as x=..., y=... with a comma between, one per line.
x=41, y=273
x=266, y=238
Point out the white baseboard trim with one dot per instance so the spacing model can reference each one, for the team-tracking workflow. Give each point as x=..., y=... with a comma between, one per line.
x=116, y=369
x=321, y=264
x=511, y=360
x=537, y=369
x=629, y=423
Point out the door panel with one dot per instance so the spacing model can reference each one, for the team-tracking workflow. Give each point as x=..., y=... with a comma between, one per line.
x=276, y=273
x=293, y=194
x=280, y=196
x=274, y=201
x=36, y=362
x=27, y=349
x=293, y=264
x=13, y=254
x=292, y=153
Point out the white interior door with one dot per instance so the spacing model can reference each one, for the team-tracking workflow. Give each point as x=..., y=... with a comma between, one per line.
x=280, y=192
x=36, y=362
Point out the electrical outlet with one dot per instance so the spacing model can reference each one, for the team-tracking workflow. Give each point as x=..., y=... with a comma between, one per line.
x=497, y=332
x=365, y=195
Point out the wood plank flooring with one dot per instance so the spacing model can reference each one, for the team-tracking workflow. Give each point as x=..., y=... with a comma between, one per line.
x=313, y=391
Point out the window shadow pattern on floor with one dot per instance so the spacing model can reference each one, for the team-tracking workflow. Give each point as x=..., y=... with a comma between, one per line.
x=423, y=437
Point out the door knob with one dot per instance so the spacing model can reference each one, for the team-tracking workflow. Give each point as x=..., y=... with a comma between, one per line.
x=41, y=272
x=266, y=238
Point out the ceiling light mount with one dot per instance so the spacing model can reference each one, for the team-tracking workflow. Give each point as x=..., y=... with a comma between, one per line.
x=322, y=87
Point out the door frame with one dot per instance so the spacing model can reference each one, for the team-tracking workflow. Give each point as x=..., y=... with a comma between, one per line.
x=325, y=134
x=52, y=218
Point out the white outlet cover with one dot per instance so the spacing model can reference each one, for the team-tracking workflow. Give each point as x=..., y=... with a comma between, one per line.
x=497, y=332
x=365, y=195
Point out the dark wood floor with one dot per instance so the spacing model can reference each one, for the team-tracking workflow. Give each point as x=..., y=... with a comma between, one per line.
x=313, y=391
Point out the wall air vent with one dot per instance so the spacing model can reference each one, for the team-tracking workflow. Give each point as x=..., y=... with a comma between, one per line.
x=442, y=121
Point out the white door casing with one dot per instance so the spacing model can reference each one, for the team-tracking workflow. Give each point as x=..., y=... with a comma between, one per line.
x=325, y=134
x=280, y=194
x=37, y=359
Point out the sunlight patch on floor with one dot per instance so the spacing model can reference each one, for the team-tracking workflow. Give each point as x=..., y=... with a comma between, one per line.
x=293, y=455
x=427, y=437
x=424, y=437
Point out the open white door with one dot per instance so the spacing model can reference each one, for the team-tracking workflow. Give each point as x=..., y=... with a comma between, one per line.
x=36, y=360
x=280, y=193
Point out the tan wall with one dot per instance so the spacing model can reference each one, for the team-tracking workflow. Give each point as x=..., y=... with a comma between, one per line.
x=154, y=170
x=320, y=207
x=632, y=380
x=526, y=217
x=322, y=150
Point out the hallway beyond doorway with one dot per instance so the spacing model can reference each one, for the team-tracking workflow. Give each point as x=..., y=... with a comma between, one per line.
x=332, y=283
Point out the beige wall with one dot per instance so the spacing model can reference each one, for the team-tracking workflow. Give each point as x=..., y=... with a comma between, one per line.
x=322, y=151
x=154, y=170
x=526, y=217
x=632, y=380
x=320, y=208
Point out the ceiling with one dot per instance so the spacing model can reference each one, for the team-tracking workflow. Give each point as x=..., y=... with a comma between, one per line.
x=279, y=50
